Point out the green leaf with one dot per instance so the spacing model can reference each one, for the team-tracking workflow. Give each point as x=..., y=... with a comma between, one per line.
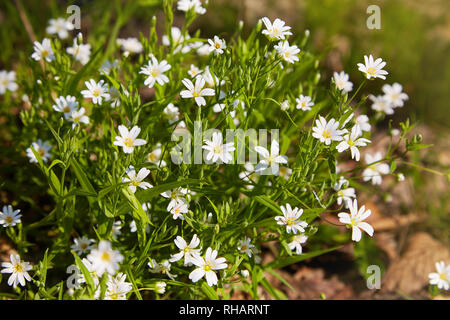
x=85, y=272
x=266, y=201
x=209, y=291
x=282, y=262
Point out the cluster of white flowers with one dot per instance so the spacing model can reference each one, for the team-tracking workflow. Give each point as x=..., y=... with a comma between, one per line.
x=393, y=97
x=68, y=106
x=178, y=204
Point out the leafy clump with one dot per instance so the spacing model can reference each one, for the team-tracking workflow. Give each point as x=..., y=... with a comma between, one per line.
x=169, y=163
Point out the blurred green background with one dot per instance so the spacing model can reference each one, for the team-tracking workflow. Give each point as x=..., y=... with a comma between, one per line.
x=414, y=39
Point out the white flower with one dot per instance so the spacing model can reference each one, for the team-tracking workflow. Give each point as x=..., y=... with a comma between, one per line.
x=163, y=268
x=373, y=68
x=217, y=45
x=355, y=220
x=353, y=141
x=78, y=117
x=285, y=172
x=177, y=40
x=290, y=219
x=96, y=91
x=381, y=104
x=186, y=5
x=363, y=122
x=172, y=112
x=346, y=195
x=277, y=30
x=93, y=272
x=249, y=175
x=160, y=287
x=211, y=81
x=65, y=105
x=116, y=229
x=130, y=45
x=217, y=150
x=18, y=269
x=8, y=81
x=394, y=95
x=9, y=217
x=202, y=49
x=105, y=259
x=207, y=266
x=327, y=131
x=341, y=81
x=178, y=209
x=245, y=246
x=304, y=103
x=81, y=52
x=186, y=251
x=117, y=288
x=135, y=180
x=375, y=170
x=297, y=242
x=194, y=71
x=286, y=52
x=42, y=148
x=155, y=156
x=127, y=139
x=155, y=72
x=176, y=196
x=82, y=245
x=284, y=105
x=59, y=26
x=43, y=51
x=270, y=160
x=115, y=98
x=197, y=92
x=108, y=66
x=245, y=273
x=441, y=278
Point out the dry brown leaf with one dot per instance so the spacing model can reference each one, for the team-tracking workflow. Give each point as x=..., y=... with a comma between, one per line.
x=409, y=273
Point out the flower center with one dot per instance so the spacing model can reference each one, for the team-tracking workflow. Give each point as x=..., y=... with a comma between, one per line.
x=155, y=72
x=152, y=157
x=443, y=276
x=128, y=142
x=106, y=256
x=217, y=45
x=326, y=134
x=244, y=247
x=83, y=246
x=371, y=71
x=187, y=249
x=18, y=268
x=290, y=221
x=66, y=109
x=96, y=93
x=207, y=266
x=218, y=149
x=9, y=219
x=40, y=151
x=44, y=53
x=351, y=143
x=195, y=94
